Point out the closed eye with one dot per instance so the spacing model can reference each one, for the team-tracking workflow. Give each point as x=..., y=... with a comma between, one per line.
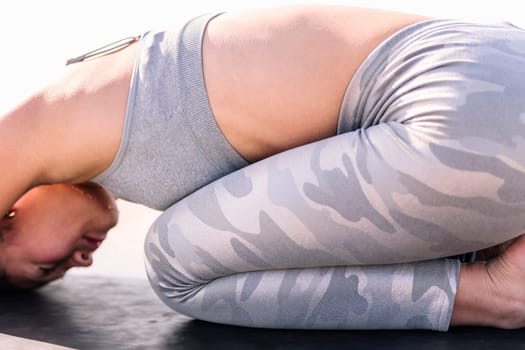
x=45, y=271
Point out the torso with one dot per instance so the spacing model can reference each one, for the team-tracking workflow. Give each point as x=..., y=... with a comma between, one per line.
x=276, y=78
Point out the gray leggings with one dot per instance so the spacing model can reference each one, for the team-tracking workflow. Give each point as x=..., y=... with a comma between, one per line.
x=353, y=232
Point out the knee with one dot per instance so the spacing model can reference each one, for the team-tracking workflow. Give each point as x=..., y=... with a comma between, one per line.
x=171, y=280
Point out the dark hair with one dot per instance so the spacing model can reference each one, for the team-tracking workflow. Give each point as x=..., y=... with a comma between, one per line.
x=5, y=286
x=6, y=225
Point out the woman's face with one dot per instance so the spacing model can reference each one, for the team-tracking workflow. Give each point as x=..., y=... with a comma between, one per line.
x=53, y=228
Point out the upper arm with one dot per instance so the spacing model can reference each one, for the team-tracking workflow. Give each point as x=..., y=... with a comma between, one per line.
x=20, y=159
x=68, y=131
x=82, y=116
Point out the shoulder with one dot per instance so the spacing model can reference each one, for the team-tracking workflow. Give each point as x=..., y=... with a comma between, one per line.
x=80, y=116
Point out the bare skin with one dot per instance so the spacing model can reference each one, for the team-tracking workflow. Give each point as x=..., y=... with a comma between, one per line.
x=70, y=130
x=256, y=87
x=76, y=122
x=492, y=293
x=41, y=238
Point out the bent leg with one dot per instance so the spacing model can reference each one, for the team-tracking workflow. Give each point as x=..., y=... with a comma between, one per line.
x=398, y=296
x=312, y=207
x=303, y=210
x=418, y=186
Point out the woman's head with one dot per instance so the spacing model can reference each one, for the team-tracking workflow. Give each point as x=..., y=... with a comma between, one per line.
x=51, y=229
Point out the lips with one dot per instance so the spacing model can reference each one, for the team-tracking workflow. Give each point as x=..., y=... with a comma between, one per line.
x=93, y=241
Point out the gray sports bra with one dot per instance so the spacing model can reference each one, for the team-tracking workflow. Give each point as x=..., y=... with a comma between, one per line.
x=171, y=144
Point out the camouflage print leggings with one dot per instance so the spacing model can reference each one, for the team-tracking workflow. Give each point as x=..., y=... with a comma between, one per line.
x=353, y=232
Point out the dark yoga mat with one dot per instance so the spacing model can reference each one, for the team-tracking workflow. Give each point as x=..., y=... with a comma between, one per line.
x=105, y=313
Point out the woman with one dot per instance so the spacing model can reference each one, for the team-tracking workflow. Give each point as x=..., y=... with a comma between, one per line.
x=347, y=231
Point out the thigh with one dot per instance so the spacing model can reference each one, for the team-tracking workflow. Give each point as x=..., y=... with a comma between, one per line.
x=432, y=166
x=425, y=167
x=358, y=198
x=451, y=94
x=249, y=249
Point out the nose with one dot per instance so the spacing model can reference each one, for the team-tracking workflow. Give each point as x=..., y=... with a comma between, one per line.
x=81, y=258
